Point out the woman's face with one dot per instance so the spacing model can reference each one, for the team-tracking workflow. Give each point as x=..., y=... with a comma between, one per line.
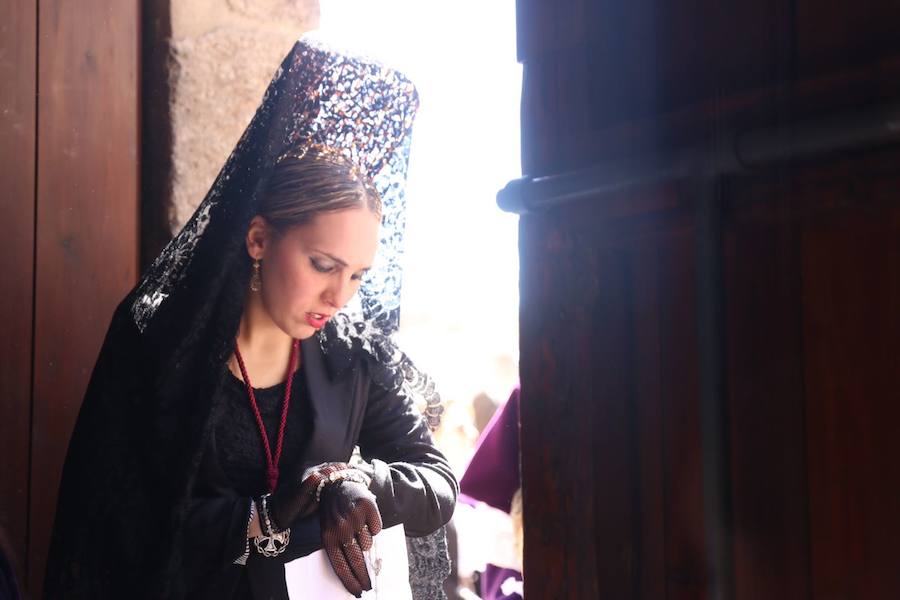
x=313, y=269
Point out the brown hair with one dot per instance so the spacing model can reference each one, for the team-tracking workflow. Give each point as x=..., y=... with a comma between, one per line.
x=319, y=180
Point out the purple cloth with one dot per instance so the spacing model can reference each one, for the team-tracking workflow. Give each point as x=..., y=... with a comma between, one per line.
x=492, y=583
x=492, y=474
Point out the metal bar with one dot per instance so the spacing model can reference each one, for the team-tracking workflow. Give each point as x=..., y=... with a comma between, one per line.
x=748, y=150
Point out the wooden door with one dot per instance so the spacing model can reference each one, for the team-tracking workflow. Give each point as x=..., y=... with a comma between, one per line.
x=710, y=276
x=70, y=179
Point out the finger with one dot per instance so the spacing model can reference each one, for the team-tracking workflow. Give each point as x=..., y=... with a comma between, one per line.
x=372, y=516
x=357, y=563
x=357, y=516
x=364, y=538
x=342, y=569
x=336, y=518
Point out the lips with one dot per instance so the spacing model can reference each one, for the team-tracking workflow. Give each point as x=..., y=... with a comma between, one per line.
x=317, y=320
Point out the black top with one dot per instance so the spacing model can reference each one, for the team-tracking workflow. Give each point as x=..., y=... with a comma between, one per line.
x=240, y=459
x=239, y=447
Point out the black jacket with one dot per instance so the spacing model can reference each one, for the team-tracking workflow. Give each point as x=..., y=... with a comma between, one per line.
x=412, y=480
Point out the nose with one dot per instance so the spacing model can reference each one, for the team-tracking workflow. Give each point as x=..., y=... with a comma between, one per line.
x=339, y=293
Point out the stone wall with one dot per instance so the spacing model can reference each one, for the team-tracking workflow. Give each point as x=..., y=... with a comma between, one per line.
x=221, y=56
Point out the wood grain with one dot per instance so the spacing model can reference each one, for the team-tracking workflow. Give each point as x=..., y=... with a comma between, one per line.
x=87, y=214
x=609, y=308
x=18, y=53
x=608, y=314
x=851, y=326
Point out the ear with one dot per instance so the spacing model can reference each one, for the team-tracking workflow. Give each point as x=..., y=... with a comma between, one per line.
x=259, y=235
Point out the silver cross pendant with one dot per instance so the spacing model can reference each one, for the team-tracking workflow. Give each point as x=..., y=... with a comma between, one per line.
x=272, y=545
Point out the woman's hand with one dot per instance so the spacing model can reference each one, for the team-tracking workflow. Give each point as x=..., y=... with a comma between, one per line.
x=349, y=517
x=292, y=501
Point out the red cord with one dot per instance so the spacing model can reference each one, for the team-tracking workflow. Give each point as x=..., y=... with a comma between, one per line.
x=271, y=464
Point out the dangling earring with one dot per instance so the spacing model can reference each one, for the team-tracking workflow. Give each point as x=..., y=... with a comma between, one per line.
x=255, y=282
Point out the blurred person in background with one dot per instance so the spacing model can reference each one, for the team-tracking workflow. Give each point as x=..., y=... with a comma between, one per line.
x=488, y=518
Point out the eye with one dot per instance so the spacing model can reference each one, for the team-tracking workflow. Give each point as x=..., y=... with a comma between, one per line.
x=319, y=267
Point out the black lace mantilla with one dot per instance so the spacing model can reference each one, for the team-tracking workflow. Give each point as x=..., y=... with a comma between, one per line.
x=359, y=107
x=429, y=565
x=366, y=111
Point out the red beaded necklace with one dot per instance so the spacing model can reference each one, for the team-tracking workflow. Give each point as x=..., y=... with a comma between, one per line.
x=271, y=463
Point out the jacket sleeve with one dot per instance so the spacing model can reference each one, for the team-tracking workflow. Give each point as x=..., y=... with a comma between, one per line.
x=215, y=533
x=411, y=479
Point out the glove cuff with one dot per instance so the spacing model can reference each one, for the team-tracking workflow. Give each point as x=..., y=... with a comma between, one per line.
x=348, y=474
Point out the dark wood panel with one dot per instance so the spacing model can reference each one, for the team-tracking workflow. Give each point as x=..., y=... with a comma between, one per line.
x=675, y=35
x=544, y=26
x=87, y=213
x=651, y=419
x=808, y=191
x=812, y=277
x=834, y=35
x=590, y=555
x=806, y=249
x=766, y=405
x=609, y=78
x=557, y=137
x=811, y=284
x=685, y=545
x=609, y=375
x=18, y=32
x=851, y=325
x=597, y=65
x=703, y=47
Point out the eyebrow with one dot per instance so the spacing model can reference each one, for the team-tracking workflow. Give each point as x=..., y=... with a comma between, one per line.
x=338, y=260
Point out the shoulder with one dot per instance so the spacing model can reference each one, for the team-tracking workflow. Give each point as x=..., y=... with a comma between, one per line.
x=353, y=346
x=387, y=371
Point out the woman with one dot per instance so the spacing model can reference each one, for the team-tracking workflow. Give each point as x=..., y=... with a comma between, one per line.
x=214, y=441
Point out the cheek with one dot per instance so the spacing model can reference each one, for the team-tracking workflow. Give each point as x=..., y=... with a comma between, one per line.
x=292, y=282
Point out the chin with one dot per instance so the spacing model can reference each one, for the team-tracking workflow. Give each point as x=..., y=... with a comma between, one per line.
x=305, y=333
x=302, y=330
x=299, y=330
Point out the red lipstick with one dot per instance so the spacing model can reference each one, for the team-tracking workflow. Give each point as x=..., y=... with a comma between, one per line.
x=316, y=321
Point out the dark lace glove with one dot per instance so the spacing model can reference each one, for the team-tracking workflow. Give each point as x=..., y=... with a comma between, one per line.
x=292, y=501
x=349, y=517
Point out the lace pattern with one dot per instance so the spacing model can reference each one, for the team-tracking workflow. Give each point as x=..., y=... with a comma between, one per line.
x=429, y=565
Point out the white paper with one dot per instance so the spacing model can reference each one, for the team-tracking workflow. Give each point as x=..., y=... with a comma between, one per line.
x=312, y=576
